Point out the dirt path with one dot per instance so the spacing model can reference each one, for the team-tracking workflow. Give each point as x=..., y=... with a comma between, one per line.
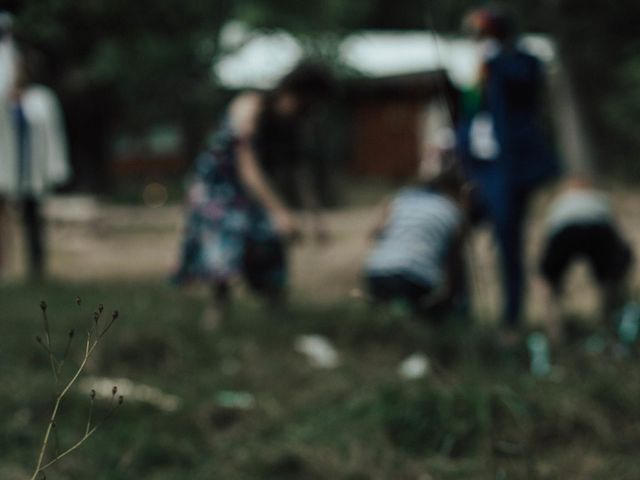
x=93, y=241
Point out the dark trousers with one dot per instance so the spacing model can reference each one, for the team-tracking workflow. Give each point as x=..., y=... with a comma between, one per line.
x=505, y=206
x=600, y=244
x=509, y=229
x=33, y=233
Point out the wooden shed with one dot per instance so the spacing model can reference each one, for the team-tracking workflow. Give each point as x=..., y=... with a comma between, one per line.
x=389, y=121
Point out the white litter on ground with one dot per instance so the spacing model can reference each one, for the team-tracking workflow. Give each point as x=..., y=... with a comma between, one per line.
x=318, y=350
x=131, y=391
x=356, y=293
x=414, y=366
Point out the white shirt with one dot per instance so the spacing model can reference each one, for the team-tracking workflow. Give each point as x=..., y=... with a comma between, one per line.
x=7, y=78
x=580, y=206
x=48, y=159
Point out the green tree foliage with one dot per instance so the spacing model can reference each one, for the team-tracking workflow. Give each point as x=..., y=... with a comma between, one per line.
x=600, y=47
x=125, y=66
x=153, y=54
x=143, y=62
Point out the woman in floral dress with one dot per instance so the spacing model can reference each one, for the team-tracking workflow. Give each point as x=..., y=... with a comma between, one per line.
x=237, y=224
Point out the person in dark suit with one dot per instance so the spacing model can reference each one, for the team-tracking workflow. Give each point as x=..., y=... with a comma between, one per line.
x=502, y=145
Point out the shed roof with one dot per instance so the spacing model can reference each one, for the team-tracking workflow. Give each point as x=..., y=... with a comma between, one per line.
x=258, y=60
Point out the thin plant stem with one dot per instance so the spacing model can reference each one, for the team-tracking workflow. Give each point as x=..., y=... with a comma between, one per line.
x=56, y=437
x=86, y=435
x=93, y=397
x=92, y=340
x=106, y=329
x=66, y=351
x=52, y=358
x=67, y=451
x=45, y=442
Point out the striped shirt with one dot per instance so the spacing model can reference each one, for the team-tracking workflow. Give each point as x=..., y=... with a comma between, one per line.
x=421, y=227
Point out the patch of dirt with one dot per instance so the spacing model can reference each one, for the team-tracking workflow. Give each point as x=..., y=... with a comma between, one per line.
x=95, y=241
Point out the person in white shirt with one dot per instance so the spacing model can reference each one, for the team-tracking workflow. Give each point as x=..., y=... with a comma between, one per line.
x=7, y=140
x=580, y=225
x=35, y=158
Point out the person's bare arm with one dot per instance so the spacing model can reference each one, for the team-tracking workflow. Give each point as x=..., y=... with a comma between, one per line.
x=381, y=219
x=244, y=114
x=307, y=190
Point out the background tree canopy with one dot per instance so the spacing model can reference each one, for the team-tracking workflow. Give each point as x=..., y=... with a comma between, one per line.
x=127, y=65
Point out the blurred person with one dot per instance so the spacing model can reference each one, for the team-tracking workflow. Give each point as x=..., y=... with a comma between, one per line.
x=417, y=257
x=580, y=225
x=7, y=140
x=35, y=159
x=237, y=223
x=7, y=54
x=502, y=146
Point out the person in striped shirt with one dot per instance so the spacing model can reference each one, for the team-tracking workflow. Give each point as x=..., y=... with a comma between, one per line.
x=416, y=258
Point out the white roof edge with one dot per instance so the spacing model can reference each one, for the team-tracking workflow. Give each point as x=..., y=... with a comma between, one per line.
x=259, y=60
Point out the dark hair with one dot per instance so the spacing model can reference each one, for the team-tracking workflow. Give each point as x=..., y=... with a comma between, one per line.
x=492, y=22
x=450, y=180
x=310, y=80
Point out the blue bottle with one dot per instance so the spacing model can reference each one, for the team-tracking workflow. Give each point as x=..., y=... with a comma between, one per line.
x=539, y=355
x=629, y=324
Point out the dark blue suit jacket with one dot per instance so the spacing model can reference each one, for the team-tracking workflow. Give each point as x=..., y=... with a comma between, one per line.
x=511, y=95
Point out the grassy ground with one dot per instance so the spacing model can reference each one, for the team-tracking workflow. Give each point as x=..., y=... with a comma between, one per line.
x=477, y=415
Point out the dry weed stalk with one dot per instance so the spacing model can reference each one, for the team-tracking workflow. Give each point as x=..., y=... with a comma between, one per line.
x=94, y=335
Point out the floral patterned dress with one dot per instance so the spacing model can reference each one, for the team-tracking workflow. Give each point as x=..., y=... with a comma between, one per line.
x=227, y=232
